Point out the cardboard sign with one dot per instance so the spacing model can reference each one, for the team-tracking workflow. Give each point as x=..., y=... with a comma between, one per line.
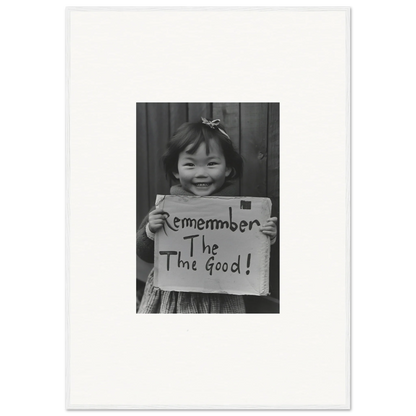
x=213, y=245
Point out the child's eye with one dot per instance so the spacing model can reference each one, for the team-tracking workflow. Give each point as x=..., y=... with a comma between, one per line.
x=189, y=164
x=212, y=163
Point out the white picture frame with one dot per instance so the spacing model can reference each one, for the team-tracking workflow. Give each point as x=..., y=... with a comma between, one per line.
x=297, y=359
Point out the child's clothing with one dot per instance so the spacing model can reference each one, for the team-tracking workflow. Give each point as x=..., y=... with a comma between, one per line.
x=156, y=300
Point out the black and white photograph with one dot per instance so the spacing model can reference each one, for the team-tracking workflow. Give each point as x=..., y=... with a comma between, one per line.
x=220, y=154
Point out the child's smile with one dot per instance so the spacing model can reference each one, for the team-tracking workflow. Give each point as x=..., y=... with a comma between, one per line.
x=200, y=173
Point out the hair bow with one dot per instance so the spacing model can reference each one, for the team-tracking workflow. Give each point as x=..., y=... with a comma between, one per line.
x=213, y=124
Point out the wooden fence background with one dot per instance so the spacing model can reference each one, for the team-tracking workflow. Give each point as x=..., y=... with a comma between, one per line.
x=254, y=130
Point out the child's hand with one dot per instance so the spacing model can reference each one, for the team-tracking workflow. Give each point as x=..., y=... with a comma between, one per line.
x=157, y=219
x=270, y=228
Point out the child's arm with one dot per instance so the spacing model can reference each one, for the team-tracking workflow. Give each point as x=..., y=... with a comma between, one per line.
x=145, y=235
x=270, y=228
x=144, y=246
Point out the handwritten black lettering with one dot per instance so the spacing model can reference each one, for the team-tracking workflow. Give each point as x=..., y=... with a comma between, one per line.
x=243, y=225
x=235, y=267
x=168, y=224
x=211, y=265
x=216, y=224
x=201, y=223
x=182, y=263
x=253, y=222
x=168, y=254
x=191, y=237
x=207, y=247
x=213, y=223
x=233, y=225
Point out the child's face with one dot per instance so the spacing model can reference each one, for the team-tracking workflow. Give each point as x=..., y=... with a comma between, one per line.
x=202, y=174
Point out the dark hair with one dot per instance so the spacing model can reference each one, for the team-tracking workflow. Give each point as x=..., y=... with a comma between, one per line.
x=195, y=134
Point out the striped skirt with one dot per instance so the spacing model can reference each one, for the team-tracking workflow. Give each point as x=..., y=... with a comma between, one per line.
x=156, y=300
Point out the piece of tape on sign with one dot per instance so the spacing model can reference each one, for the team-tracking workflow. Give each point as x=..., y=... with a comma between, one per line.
x=245, y=204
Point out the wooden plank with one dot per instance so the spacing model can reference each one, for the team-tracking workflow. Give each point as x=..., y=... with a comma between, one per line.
x=229, y=114
x=273, y=151
x=198, y=110
x=142, y=188
x=158, y=135
x=178, y=116
x=178, y=113
x=253, y=148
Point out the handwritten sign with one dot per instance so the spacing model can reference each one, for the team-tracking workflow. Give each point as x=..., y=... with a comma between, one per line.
x=213, y=245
